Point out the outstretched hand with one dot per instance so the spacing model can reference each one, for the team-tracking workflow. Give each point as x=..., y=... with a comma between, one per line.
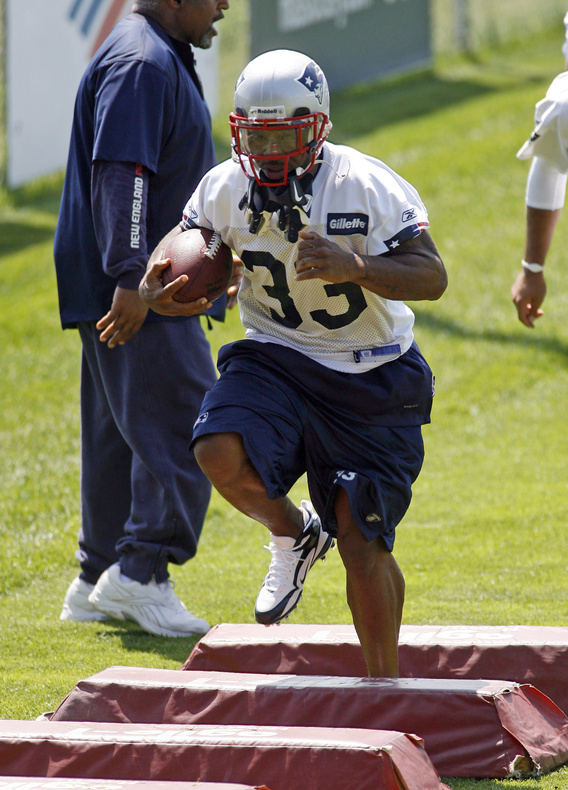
x=528, y=292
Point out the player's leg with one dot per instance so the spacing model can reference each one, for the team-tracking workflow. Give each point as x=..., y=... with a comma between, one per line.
x=249, y=440
x=297, y=539
x=375, y=591
x=223, y=458
x=365, y=503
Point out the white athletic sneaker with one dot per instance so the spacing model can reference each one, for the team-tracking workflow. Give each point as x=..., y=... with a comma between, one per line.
x=76, y=605
x=291, y=561
x=155, y=607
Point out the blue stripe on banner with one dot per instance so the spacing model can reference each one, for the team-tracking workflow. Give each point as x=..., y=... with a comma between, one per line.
x=86, y=26
x=75, y=9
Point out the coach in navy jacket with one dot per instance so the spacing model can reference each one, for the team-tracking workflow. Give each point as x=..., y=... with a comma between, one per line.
x=140, y=142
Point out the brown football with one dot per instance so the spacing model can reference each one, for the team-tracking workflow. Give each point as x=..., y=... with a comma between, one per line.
x=204, y=258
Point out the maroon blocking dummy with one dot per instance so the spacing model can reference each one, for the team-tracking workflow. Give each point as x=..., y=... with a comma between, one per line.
x=52, y=783
x=525, y=654
x=282, y=758
x=470, y=728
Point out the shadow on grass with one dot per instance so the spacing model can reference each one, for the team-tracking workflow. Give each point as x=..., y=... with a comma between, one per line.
x=135, y=640
x=15, y=236
x=528, y=339
x=42, y=196
x=366, y=108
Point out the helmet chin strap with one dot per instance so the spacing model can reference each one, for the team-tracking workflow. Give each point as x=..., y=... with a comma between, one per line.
x=287, y=200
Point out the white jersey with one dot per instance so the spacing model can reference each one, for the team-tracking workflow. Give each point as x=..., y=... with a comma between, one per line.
x=360, y=204
x=549, y=139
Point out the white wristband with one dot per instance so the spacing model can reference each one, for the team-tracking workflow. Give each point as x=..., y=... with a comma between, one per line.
x=532, y=267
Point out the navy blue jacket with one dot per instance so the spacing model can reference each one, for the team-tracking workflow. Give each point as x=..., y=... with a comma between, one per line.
x=141, y=140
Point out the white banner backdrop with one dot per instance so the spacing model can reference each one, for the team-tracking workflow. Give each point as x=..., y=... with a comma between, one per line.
x=48, y=46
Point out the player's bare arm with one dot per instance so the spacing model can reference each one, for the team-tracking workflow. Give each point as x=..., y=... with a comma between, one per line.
x=414, y=272
x=541, y=224
x=529, y=289
x=158, y=254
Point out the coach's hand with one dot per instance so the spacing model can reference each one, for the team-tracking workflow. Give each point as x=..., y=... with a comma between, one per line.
x=124, y=318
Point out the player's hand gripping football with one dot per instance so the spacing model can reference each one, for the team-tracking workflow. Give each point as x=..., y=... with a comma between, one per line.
x=160, y=298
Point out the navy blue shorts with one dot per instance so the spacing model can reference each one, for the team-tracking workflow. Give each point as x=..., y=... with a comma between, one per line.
x=359, y=431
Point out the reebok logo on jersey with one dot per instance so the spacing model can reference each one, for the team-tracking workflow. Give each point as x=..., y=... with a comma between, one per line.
x=347, y=224
x=409, y=214
x=190, y=215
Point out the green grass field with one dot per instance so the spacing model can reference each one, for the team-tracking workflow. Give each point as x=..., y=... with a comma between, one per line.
x=485, y=539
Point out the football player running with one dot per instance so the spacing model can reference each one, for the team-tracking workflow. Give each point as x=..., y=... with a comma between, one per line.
x=328, y=380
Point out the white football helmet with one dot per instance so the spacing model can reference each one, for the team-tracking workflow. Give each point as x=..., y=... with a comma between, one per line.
x=281, y=117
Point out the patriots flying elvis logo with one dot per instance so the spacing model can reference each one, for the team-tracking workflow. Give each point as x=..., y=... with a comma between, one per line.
x=312, y=79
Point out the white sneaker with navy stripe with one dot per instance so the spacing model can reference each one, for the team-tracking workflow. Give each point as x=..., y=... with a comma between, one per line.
x=291, y=561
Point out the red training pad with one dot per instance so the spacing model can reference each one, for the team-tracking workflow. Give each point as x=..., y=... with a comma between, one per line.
x=474, y=728
x=284, y=758
x=525, y=654
x=53, y=783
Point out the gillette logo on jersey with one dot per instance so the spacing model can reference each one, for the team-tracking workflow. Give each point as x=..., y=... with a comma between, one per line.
x=347, y=224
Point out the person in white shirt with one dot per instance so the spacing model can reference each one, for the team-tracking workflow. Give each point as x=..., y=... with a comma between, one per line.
x=544, y=198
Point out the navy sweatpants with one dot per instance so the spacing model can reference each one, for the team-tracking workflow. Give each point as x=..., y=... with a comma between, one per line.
x=143, y=496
